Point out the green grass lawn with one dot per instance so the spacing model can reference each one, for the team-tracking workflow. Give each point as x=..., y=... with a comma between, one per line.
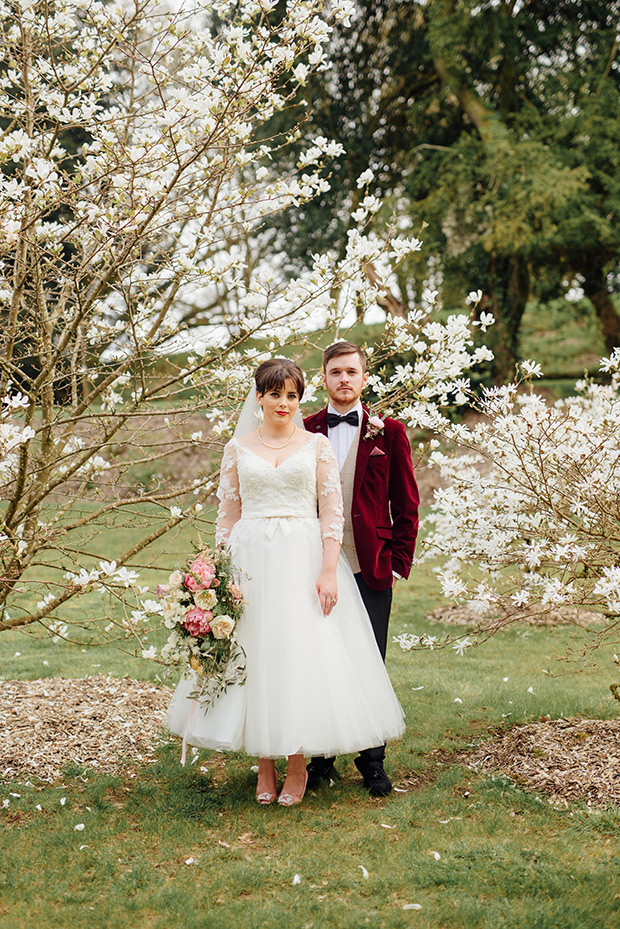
x=564, y=337
x=191, y=849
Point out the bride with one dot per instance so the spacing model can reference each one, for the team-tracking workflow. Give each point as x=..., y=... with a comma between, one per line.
x=316, y=683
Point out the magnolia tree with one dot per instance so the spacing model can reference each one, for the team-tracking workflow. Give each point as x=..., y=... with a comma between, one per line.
x=134, y=169
x=528, y=519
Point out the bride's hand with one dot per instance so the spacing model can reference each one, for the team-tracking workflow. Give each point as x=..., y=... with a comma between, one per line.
x=327, y=589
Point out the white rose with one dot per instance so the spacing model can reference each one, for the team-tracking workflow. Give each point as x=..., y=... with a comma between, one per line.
x=222, y=626
x=205, y=599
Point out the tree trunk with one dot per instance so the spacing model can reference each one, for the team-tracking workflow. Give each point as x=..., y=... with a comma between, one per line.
x=388, y=302
x=595, y=288
x=506, y=294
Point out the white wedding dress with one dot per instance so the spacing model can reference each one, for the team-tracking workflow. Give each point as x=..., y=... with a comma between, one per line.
x=316, y=684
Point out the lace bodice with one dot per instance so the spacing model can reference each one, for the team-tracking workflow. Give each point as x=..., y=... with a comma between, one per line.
x=304, y=483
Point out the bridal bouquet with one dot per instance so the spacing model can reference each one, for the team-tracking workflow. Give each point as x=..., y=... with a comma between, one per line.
x=202, y=604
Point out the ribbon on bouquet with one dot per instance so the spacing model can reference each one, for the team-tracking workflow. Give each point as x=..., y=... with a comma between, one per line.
x=186, y=732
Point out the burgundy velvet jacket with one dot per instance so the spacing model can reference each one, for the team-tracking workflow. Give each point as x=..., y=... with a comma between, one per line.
x=384, y=508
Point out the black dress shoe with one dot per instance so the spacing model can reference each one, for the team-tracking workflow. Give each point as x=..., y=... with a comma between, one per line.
x=320, y=769
x=376, y=780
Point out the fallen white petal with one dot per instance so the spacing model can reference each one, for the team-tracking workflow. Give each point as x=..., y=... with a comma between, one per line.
x=5, y=803
x=412, y=906
x=79, y=828
x=530, y=690
x=385, y=826
x=63, y=800
x=436, y=855
x=225, y=844
x=16, y=795
x=363, y=870
x=296, y=879
x=457, y=700
x=190, y=860
x=39, y=807
x=254, y=768
x=401, y=790
x=418, y=688
x=504, y=679
x=82, y=847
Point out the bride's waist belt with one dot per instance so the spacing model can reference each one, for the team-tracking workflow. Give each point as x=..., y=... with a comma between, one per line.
x=281, y=521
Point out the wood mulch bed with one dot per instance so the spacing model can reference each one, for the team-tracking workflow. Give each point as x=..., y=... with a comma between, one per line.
x=95, y=722
x=453, y=615
x=566, y=760
x=103, y=723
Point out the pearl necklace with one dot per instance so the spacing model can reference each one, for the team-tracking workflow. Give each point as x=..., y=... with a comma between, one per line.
x=276, y=447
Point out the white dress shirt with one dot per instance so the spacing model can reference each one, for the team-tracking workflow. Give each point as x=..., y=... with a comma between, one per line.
x=341, y=437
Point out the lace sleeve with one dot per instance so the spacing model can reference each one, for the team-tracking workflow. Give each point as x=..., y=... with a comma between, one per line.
x=329, y=491
x=229, y=509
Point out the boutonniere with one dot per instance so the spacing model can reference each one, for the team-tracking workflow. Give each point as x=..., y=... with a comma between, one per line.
x=374, y=428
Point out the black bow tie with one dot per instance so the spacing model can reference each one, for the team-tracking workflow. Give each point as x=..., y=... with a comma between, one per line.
x=334, y=419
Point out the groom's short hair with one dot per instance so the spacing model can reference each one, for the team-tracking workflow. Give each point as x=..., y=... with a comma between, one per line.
x=343, y=348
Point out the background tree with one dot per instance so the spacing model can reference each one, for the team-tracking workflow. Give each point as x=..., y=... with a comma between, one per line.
x=110, y=245
x=101, y=241
x=496, y=125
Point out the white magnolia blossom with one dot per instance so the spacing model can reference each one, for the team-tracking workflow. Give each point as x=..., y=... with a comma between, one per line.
x=137, y=182
x=59, y=630
x=531, y=500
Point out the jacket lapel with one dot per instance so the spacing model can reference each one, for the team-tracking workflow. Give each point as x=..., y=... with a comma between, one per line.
x=363, y=454
x=320, y=422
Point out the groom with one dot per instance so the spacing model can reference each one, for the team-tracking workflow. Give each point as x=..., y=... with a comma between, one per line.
x=381, y=513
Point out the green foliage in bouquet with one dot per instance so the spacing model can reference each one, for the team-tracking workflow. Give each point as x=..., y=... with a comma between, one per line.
x=201, y=606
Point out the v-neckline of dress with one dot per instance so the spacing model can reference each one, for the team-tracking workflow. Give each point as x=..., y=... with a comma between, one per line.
x=278, y=466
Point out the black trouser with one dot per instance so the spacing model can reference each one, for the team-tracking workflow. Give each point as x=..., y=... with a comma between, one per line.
x=378, y=604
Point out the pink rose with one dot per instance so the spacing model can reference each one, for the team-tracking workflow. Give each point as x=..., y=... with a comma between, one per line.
x=374, y=427
x=197, y=621
x=235, y=591
x=202, y=575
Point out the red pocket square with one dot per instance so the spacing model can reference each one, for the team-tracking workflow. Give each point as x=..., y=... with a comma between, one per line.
x=377, y=451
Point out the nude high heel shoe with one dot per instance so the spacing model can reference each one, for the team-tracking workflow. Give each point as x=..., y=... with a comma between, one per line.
x=287, y=799
x=265, y=797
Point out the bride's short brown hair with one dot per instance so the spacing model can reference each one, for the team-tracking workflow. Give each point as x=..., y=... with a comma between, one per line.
x=271, y=375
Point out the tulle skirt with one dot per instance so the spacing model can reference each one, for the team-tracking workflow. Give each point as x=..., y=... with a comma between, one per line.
x=316, y=685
